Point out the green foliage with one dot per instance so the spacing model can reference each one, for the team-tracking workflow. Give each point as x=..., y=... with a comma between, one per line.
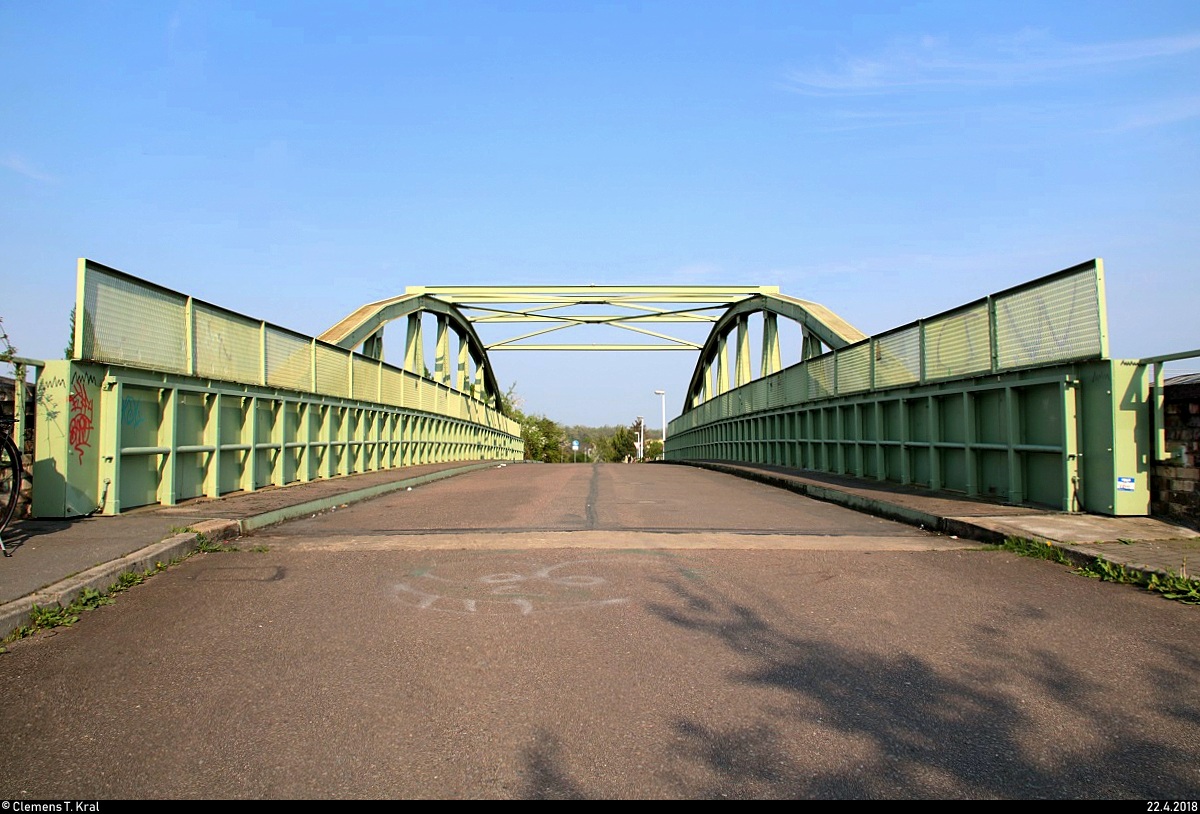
x=207, y=546
x=89, y=599
x=1036, y=549
x=623, y=444
x=1176, y=586
x=550, y=442
x=7, y=351
x=69, y=350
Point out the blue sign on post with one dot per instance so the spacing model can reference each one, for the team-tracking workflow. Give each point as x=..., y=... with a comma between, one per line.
x=575, y=445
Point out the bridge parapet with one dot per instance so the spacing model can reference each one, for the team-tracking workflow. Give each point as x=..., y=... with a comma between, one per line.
x=170, y=398
x=1010, y=396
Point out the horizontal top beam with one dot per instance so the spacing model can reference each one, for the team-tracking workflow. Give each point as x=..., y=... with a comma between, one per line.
x=591, y=294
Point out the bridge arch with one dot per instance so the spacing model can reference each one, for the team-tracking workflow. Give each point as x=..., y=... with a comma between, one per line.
x=821, y=329
x=364, y=328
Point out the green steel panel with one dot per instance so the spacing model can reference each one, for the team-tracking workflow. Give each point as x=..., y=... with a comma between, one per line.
x=1041, y=415
x=66, y=459
x=952, y=419
x=1042, y=479
x=992, y=472
x=952, y=465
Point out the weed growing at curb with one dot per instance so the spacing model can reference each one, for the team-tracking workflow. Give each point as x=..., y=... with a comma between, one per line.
x=59, y=616
x=207, y=546
x=1178, y=587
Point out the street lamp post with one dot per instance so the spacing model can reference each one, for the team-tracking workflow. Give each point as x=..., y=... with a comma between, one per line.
x=662, y=396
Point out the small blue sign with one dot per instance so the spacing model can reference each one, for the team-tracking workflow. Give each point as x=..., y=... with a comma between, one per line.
x=1124, y=484
x=574, y=445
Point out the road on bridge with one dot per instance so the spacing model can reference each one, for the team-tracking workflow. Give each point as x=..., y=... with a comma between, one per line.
x=607, y=632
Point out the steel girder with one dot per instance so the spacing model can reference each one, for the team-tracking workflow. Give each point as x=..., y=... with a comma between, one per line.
x=556, y=308
x=365, y=326
x=819, y=325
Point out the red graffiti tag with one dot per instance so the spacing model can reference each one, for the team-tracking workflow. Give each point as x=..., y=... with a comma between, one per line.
x=80, y=424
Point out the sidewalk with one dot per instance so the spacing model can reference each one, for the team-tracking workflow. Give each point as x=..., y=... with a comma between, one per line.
x=1143, y=544
x=54, y=561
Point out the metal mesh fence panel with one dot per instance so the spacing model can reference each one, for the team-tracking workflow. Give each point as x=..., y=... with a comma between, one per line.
x=227, y=346
x=898, y=358
x=1056, y=321
x=412, y=391
x=795, y=388
x=854, y=369
x=958, y=344
x=131, y=323
x=332, y=371
x=820, y=376
x=289, y=360
x=393, y=387
x=366, y=379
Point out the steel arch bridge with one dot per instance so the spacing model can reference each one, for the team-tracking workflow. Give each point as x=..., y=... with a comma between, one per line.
x=1012, y=396
x=631, y=309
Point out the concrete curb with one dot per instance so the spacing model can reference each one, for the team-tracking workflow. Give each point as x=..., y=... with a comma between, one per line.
x=1078, y=554
x=16, y=614
x=265, y=519
x=878, y=508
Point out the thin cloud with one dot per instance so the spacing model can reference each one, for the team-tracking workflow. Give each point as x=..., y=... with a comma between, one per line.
x=22, y=167
x=932, y=63
x=1167, y=111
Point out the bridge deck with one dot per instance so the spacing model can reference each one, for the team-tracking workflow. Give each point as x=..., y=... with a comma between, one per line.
x=54, y=560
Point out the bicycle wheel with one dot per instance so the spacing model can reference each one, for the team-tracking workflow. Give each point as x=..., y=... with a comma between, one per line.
x=10, y=480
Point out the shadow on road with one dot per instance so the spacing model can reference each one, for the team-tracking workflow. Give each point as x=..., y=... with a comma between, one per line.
x=998, y=732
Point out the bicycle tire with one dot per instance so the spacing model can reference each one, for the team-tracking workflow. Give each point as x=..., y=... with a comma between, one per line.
x=10, y=480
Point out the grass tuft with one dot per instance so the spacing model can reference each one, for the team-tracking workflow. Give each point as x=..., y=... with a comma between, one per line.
x=1176, y=586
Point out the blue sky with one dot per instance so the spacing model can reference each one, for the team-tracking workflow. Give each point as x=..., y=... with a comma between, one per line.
x=295, y=160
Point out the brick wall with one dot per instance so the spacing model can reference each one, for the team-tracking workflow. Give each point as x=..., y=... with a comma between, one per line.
x=7, y=406
x=1175, y=484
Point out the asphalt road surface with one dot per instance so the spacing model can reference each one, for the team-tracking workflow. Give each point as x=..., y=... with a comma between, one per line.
x=607, y=632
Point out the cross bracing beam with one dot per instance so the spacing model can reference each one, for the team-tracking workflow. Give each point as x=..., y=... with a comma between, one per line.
x=635, y=309
x=621, y=307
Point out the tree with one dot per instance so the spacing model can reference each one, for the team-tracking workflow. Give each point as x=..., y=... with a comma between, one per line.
x=69, y=350
x=622, y=445
x=7, y=351
x=544, y=439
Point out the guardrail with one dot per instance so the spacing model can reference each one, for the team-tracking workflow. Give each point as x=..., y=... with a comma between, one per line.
x=1157, y=383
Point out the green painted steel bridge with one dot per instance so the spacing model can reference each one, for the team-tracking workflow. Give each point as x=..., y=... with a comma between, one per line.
x=1012, y=396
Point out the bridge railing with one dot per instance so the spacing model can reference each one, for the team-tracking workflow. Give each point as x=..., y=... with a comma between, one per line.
x=126, y=321
x=169, y=398
x=1058, y=318
x=1011, y=396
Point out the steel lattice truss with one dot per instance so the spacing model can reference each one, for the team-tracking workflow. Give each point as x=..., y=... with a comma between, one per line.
x=641, y=310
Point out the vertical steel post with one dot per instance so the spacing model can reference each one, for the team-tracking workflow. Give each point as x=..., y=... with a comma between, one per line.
x=743, y=372
x=771, y=356
x=168, y=436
